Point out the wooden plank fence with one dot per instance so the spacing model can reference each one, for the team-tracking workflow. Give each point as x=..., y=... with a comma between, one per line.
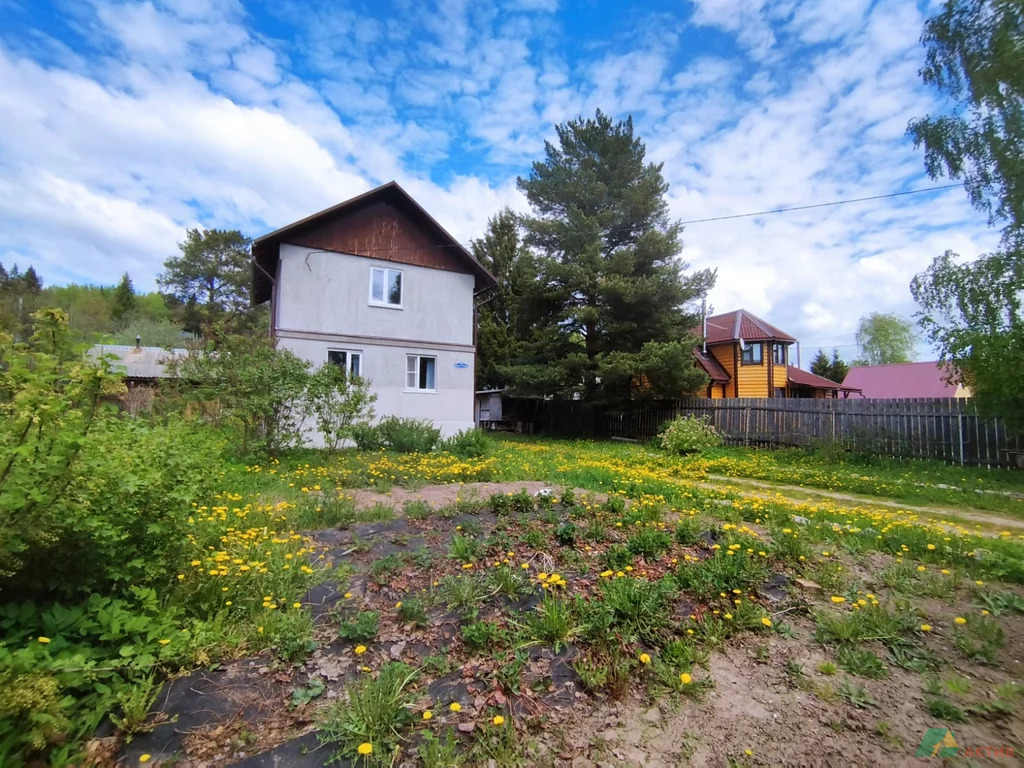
x=942, y=428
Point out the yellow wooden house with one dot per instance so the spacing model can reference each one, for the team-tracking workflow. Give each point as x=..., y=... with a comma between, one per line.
x=744, y=356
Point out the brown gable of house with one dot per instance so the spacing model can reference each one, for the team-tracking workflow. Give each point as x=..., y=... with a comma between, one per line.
x=384, y=223
x=381, y=231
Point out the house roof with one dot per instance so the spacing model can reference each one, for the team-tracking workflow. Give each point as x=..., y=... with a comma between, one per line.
x=740, y=324
x=711, y=367
x=266, y=252
x=136, y=362
x=901, y=380
x=801, y=378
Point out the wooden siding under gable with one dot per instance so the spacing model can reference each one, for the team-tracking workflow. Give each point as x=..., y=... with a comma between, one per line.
x=380, y=231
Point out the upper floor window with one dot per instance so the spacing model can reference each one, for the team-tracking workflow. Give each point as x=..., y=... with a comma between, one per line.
x=752, y=354
x=350, y=362
x=779, y=354
x=386, y=287
x=419, y=373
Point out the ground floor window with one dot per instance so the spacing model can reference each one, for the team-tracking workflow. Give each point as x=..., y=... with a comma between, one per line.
x=349, y=361
x=419, y=373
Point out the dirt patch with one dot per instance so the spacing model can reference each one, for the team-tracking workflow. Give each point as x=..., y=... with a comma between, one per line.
x=438, y=496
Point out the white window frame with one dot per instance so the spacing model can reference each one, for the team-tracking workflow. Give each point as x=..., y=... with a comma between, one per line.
x=414, y=369
x=350, y=355
x=385, y=271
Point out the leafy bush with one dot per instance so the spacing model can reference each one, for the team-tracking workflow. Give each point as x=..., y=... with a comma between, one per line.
x=397, y=434
x=467, y=444
x=689, y=434
x=250, y=386
x=338, y=403
x=367, y=437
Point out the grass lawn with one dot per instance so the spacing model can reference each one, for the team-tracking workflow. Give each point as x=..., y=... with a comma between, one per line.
x=445, y=610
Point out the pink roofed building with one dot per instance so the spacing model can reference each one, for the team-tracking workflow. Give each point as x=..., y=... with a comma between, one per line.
x=900, y=380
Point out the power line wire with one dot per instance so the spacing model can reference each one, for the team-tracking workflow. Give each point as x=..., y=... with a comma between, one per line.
x=821, y=205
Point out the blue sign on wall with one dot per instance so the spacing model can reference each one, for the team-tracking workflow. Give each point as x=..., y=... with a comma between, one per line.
x=462, y=365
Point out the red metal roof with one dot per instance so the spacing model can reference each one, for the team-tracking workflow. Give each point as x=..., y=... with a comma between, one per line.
x=740, y=324
x=801, y=378
x=711, y=367
x=901, y=380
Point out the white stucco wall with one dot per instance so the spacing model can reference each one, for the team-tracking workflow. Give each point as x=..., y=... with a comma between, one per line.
x=327, y=292
x=322, y=304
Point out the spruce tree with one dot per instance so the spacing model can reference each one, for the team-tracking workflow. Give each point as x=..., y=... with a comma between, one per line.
x=124, y=301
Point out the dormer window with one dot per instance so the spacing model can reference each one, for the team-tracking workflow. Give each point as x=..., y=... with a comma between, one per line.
x=386, y=287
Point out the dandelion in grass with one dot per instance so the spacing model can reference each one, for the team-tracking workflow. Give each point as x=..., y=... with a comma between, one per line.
x=960, y=620
x=684, y=678
x=498, y=720
x=366, y=748
x=926, y=627
x=427, y=715
x=455, y=706
x=765, y=621
x=645, y=658
x=43, y=640
x=360, y=650
x=838, y=599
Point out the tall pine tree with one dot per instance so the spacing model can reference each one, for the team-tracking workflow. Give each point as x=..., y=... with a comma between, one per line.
x=609, y=306
x=499, y=329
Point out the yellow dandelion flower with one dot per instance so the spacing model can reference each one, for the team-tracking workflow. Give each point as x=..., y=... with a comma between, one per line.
x=960, y=620
x=926, y=627
x=366, y=748
x=455, y=706
x=427, y=715
x=645, y=658
x=684, y=678
x=766, y=621
x=360, y=650
x=498, y=720
x=837, y=599
x=43, y=640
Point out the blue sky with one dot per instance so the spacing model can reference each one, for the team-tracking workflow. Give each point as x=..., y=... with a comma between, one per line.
x=127, y=122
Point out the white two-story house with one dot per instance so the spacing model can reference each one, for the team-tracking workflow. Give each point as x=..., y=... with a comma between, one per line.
x=376, y=285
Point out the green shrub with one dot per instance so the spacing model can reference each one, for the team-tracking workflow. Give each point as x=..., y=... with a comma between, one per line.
x=367, y=437
x=689, y=434
x=338, y=403
x=408, y=435
x=467, y=444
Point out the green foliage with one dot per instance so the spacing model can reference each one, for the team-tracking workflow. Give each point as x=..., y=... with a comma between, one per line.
x=361, y=628
x=565, y=534
x=858, y=661
x=440, y=752
x=337, y=403
x=397, y=434
x=617, y=557
x=972, y=313
x=720, y=573
x=250, y=386
x=944, y=710
x=464, y=592
x=413, y=611
x=213, y=273
x=417, y=509
x=973, y=59
x=885, y=338
x=478, y=635
x=649, y=543
x=465, y=549
x=834, y=369
x=856, y=694
x=467, y=444
x=63, y=668
x=636, y=608
x=608, y=277
x=88, y=502
x=552, y=621
x=124, y=305
x=151, y=333
x=689, y=434
x=374, y=710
